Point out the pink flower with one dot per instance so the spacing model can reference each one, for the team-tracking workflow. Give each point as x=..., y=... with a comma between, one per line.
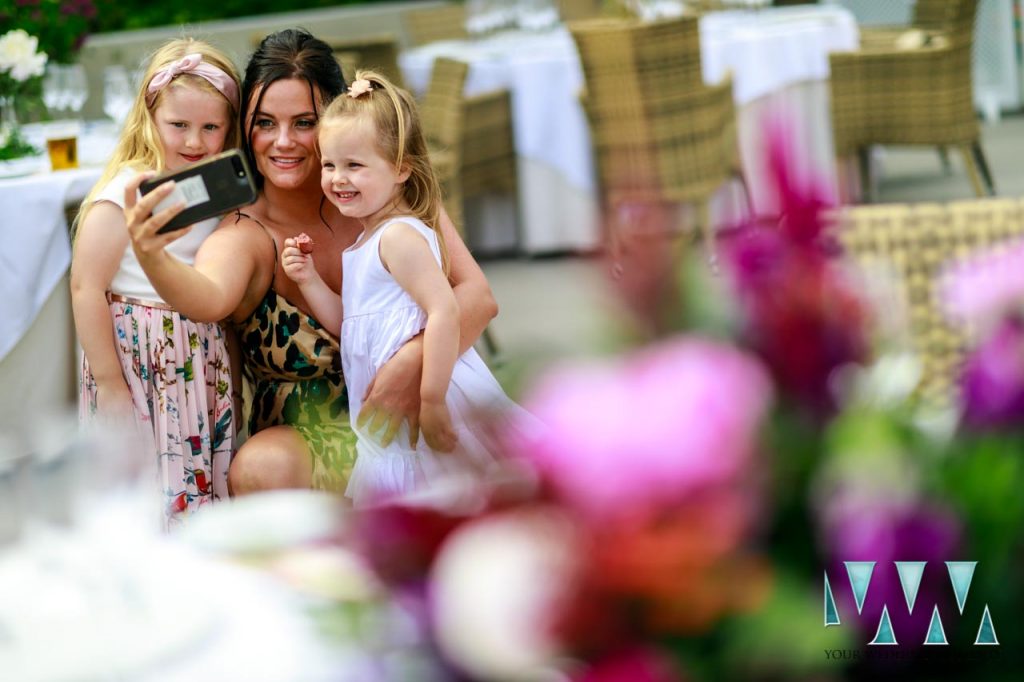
x=648, y=429
x=986, y=286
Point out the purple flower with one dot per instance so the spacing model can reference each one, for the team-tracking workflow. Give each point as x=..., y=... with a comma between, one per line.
x=650, y=428
x=992, y=382
x=886, y=532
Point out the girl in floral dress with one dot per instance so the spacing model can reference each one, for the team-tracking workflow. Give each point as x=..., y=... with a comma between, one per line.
x=142, y=359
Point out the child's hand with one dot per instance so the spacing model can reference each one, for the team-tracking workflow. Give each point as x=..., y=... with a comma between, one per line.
x=436, y=426
x=114, y=401
x=297, y=265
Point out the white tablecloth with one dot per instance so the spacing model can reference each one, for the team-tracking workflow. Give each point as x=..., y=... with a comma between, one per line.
x=37, y=357
x=767, y=52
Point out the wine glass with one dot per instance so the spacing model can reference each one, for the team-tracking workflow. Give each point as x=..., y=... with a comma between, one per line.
x=118, y=94
x=54, y=91
x=77, y=88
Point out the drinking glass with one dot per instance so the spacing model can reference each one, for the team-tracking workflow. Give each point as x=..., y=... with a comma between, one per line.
x=118, y=94
x=77, y=88
x=54, y=88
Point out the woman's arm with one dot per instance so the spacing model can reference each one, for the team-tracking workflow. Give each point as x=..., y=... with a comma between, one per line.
x=100, y=243
x=225, y=263
x=477, y=306
x=407, y=256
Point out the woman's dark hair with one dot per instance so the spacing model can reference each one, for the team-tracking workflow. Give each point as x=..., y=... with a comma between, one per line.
x=291, y=53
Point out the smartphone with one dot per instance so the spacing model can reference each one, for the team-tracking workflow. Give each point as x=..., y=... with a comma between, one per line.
x=210, y=187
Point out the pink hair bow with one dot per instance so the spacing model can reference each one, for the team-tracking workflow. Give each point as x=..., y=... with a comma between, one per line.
x=193, y=64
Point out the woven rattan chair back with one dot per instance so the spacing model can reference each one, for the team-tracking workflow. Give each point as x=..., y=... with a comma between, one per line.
x=488, y=147
x=656, y=128
x=575, y=10
x=377, y=53
x=431, y=24
x=922, y=95
x=917, y=244
x=441, y=107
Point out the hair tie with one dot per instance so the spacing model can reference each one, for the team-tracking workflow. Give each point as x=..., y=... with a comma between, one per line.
x=195, y=65
x=359, y=87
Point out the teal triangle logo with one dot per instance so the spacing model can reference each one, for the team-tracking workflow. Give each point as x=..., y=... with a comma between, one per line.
x=986, y=631
x=884, y=635
x=936, y=633
x=960, y=574
x=910, y=578
x=859, y=573
x=831, y=612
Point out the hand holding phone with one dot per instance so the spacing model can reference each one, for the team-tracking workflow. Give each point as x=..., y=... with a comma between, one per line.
x=208, y=188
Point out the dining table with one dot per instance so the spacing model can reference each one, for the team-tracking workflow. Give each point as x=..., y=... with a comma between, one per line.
x=777, y=58
x=37, y=341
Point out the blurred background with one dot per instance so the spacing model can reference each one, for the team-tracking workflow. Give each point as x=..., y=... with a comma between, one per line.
x=757, y=270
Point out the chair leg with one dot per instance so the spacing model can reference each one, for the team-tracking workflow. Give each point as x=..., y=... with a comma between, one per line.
x=972, y=170
x=986, y=174
x=703, y=211
x=491, y=346
x=947, y=167
x=747, y=197
x=864, y=166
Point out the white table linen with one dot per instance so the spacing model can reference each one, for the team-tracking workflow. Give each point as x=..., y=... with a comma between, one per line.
x=768, y=52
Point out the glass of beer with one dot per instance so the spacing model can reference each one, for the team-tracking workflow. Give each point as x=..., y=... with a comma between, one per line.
x=63, y=152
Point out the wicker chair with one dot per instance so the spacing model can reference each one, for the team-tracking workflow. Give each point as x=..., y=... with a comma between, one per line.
x=488, y=146
x=378, y=53
x=445, y=22
x=916, y=243
x=660, y=135
x=916, y=96
x=575, y=10
x=441, y=112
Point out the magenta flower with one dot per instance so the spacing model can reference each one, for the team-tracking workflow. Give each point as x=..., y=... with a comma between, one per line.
x=800, y=314
x=992, y=382
x=650, y=428
x=633, y=665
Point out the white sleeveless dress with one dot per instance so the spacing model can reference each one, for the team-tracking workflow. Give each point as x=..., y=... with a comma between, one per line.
x=379, y=317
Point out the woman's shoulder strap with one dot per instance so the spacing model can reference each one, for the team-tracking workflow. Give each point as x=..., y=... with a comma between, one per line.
x=238, y=217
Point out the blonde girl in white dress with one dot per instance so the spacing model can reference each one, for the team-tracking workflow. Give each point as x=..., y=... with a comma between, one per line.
x=375, y=168
x=142, y=360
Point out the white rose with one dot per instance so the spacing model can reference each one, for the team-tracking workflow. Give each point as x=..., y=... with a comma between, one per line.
x=18, y=55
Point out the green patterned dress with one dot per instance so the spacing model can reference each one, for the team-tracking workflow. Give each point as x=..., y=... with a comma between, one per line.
x=294, y=368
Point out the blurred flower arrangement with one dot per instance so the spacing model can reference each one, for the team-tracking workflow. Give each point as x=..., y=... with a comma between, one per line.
x=676, y=513
x=60, y=25
x=21, y=65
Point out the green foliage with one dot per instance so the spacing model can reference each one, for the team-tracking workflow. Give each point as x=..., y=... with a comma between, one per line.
x=60, y=25
x=119, y=15
x=63, y=25
x=15, y=147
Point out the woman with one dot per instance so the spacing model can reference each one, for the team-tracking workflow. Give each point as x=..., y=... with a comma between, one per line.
x=300, y=435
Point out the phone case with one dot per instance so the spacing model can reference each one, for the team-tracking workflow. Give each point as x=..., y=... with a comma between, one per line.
x=209, y=188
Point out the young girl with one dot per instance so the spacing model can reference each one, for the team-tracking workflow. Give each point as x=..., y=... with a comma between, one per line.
x=394, y=284
x=143, y=359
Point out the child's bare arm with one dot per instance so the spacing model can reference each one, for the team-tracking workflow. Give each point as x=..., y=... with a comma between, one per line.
x=406, y=254
x=323, y=302
x=100, y=243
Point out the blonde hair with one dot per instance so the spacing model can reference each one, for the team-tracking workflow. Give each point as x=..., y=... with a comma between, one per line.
x=139, y=146
x=399, y=138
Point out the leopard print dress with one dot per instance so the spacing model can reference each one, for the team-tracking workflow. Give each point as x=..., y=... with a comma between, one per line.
x=294, y=368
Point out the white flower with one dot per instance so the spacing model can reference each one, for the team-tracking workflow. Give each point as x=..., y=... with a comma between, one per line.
x=18, y=55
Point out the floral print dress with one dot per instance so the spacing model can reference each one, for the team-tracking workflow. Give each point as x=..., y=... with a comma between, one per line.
x=179, y=377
